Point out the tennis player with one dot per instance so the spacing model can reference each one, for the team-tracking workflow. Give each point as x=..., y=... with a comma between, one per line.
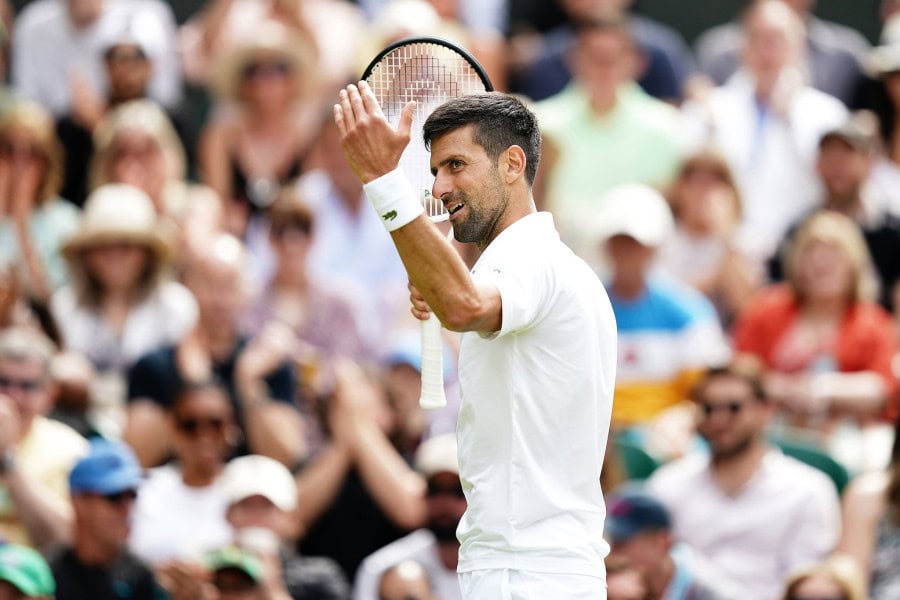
x=537, y=354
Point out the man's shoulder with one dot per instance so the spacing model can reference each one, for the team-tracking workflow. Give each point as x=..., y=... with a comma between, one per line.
x=676, y=473
x=40, y=14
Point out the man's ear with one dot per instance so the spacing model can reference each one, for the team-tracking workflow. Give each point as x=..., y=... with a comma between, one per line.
x=512, y=164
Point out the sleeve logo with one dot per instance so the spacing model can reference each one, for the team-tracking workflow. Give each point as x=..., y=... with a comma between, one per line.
x=390, y=215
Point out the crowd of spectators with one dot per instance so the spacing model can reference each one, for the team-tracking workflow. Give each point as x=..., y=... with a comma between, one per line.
x=208, y=369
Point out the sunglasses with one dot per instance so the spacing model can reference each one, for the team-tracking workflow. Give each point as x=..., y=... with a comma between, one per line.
x=443, y=490
x=26, y=385
x=120, y=497
x=266, y=69
x=193, y=427
x=732, y=408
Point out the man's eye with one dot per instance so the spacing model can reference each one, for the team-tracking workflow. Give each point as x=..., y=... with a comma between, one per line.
x=456, y=164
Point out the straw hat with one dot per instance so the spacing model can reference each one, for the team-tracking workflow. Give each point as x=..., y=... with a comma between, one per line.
x=269, y=39
x=115, y=213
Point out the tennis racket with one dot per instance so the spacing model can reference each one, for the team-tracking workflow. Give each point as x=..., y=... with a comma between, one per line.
x=429, y=71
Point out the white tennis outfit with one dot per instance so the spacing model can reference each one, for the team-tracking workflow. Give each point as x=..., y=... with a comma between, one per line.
x=536, y=399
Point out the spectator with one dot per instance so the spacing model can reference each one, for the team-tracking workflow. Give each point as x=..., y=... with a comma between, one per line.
x=255, y=371
x=24, y=574
x=602, y=113
x=827, y=348
x=846, y=157
x=768, y=122
x=871, y=532
x=260, y=139
x=667, y=332
x=35, y=220
x=180, y=511
x=405, y=581
x=58, y=50
x=624, y=581
x=664, y=64
x=36, y=453
x=752, y=513
x=434, y=548
x=640, y=531
x=119, y=303
x=262, y=497
x=836, y=577
x=137, y=144
x=236, y=575
x=834, y=53
x=97, y=565
x=704, y=250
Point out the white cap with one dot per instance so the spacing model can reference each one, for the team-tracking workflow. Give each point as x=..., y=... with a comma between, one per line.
x=257, y=475
x=438, y=455
x=635, y=210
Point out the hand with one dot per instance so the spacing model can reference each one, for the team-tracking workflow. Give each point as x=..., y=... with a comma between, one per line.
x=266, y=352
x=87, y=106
x=370, y=144
x=186, y=581
x=356, y=401
x=10, y=423
x=420, y=309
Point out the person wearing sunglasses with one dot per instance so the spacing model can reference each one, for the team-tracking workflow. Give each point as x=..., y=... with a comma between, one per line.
x=751, y=512
x=97, y=565
x=434, y=547
x=181, y=509
x=36, y=452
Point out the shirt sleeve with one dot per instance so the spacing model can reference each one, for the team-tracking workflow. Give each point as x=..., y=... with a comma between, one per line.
x=523, y=291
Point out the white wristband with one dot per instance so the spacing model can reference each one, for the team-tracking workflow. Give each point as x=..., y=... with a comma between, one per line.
x=394, y=199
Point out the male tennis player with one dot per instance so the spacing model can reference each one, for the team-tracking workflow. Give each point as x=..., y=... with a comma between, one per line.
x=538, y=353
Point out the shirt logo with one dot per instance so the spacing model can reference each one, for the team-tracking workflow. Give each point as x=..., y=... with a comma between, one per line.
x=390, y=215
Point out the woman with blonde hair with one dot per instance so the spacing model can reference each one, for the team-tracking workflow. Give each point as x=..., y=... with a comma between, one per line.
x=137, y=144
x=704, y=251
x=826, y=344
x=259, y=139
x=34, y=220
x=835, y=578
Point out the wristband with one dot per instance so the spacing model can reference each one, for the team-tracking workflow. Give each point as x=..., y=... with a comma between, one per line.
x=394, y=199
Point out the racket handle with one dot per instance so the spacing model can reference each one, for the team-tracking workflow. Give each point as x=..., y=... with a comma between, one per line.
x=432, y=395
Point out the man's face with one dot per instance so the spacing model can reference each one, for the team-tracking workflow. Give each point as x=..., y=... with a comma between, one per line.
x=627, y=255
x=216, y=285
x=769, y=44
x=26, y=382
x=106, y=518
x=602, y=60
x=234, y=584
x=469, y=184
x=259, y=512
x=446, y=505
x=645, y=550
x=843, y=168
x=578, y=10
x=129, y=71
x=730, y=416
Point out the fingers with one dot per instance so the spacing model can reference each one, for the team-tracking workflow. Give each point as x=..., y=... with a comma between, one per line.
x=420, y=309
x=368, y=99
x=406, y=119
x=339, y=120
x=346, y=109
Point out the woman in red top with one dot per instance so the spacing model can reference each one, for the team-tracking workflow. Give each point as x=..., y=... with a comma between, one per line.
x=827, y=347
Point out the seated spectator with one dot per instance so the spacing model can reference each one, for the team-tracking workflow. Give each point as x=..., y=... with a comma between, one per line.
x=624, y=581
x=846, y=157
x=180, y=511
x=704, y=250
x=236, y=575
x=666, y=62
x=883, y=98
x=98, y=565
x=434, y=548
x=835, y=577
x=752, y=513
x=668, y=332
x=34, y=220
x=768, y=122
x=119, y=303
x=871, y=532
x=359, y=492
x=261, y=507
x=58, y=47
x=405, y=581
x=36, y=453
x=602, y=112
x=137, y=144
x=255, y=371
x=639, y=529
x=827, y=348
x=311, y=306
x=24, y=574
x=834, y=53
x=259, y=140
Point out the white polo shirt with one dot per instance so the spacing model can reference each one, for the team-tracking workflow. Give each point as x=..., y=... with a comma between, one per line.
x=536, y=399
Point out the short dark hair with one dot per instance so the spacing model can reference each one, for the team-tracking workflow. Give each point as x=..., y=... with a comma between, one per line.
x=500, y=121
x=747, y=369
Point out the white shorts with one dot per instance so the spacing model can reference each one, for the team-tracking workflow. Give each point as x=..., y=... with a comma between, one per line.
x=508, y=584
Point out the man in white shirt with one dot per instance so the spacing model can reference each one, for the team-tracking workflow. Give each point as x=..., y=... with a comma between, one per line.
x=537, y=356
x=748, y=510
x=58, y=47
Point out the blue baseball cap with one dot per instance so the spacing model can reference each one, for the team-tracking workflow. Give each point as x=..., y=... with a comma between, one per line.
x=632, y=511
x=109, y=468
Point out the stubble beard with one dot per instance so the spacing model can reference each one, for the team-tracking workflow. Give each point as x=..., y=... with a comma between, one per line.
x=483, y=214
